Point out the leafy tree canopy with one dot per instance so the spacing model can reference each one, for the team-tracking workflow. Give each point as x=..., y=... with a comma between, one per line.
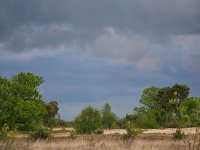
x=109, y=118
x=162, y=104
x=88, y=121
x=20, y=99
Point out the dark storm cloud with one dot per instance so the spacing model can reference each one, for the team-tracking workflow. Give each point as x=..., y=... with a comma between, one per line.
x=118, y=31
x=90, y=16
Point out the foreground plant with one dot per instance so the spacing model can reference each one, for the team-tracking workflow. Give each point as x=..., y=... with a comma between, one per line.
x=131, y=131
x=6, y=137
x=193, y=141
x=72, y=135
x=41, y=133
x=178, y=135
x=4, y=132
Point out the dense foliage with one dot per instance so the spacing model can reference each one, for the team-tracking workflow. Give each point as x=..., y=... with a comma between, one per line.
x=41, y=133
x=20, y=100
x=167, y=107
x=88, y=121
x=52, y=118
x=109, y=119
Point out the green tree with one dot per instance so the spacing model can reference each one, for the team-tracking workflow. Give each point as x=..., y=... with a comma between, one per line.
x=162, y=105
x=109, y=119
x=190, y=111
x=50, y=118
x=170, y=99
x=148, y=98
x=20, y=100
x=150, y=109
x=163, y=98
x=88, y=121
x=180, y=93
x=52, y=110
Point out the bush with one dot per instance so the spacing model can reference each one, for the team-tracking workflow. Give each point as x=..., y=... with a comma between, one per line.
x=146, y=122
x=171, y=124
x=42, y=133
x=125, y=136
x=109, y=118
x=4, y=132
x=121, y=123
x=178, y=135
x=88, y=121
x=131, y=131
x=27, y=127
x=72, y=135
x=99, y=131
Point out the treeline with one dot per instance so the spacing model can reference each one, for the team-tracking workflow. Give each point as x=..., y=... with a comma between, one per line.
x=23, y=108
x=166, y=107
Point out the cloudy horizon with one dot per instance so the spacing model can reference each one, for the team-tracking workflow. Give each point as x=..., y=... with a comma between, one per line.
x=95, y=51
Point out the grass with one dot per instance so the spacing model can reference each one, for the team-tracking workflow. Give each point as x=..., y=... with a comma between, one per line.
x=149, y=140
x=99, y=142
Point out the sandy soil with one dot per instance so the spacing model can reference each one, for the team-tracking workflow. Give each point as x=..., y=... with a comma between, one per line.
x=171, y=130
x=64, y=132
x=153, y=131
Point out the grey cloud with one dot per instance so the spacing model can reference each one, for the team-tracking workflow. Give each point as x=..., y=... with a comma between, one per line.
x=188, y=49
x=119, y=47
x=192, y=63
x=90, y=16
x=40, y=37
x=38, y=27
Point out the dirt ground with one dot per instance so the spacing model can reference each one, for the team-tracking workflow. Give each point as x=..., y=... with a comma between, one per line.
x=151, y=139
x=60, y=132
x=65, y=132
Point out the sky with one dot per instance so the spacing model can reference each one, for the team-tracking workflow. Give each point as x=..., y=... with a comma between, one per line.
x=90, y=52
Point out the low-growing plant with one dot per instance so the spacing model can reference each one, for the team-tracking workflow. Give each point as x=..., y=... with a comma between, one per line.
x=99, y=131
x=72, y=135
x=178, y=135
x=41, y=133
x=193, y=141
x=7, y=137
x=131, y=131
x=4, y=132
x=27, y=127
x=125, y=136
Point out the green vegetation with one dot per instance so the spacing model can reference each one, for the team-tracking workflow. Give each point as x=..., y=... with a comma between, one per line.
x=167, y=107
x=52, y=111
x=4, y=132
x=92, y=120
x=99, y=131
x=20, y=100
x=190, y=111
x=22, y=106
x=41, y=133
x=178, y=135
x=131, y=130
x=109, y=118
x=88, y=121
x=72, y=135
